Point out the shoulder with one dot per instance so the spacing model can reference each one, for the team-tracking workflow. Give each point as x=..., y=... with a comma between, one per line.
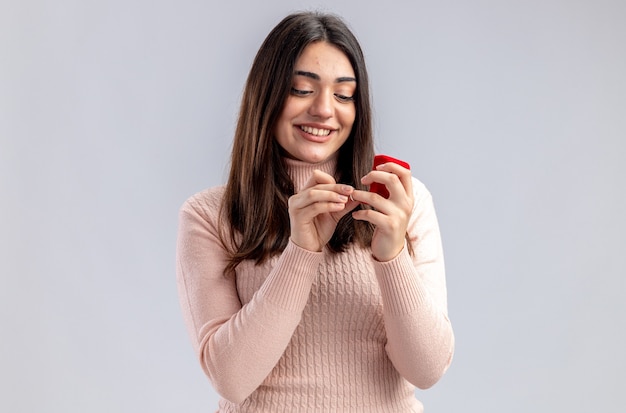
x=423, y=205
x=420, y=191
x=205, y=204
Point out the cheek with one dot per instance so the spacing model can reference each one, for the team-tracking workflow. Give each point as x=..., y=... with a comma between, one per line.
x=281, y=132
x=348, y=117
x=291, y=108
x=284, y=119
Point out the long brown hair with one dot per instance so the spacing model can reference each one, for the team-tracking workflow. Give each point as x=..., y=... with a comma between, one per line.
x=258, y=187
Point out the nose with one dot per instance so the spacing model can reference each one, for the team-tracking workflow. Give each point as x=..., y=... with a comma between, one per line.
x=322, y=105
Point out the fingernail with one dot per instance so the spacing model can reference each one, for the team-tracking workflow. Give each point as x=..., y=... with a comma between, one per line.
x=343, y=198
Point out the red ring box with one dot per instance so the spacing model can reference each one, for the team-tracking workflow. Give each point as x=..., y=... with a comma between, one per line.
x=381, y=189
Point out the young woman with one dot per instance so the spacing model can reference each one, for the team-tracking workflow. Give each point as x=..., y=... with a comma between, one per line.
x=302, y=291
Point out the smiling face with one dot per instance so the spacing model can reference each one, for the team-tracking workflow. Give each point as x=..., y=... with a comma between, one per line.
x=318, y=114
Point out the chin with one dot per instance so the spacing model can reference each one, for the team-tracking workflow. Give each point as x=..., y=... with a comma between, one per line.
x=315, y=158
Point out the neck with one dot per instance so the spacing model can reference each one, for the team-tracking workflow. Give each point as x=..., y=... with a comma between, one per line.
x=300, y=171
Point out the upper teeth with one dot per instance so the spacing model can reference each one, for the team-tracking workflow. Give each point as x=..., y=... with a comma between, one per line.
x=315, y=131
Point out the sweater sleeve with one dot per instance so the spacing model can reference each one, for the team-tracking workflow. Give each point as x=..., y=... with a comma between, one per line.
x=237, y=345
x=420, y=341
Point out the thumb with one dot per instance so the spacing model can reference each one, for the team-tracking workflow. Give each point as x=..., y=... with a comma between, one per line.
x=318, y=177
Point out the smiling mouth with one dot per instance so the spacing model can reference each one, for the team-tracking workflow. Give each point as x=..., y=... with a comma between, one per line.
x=315, y=131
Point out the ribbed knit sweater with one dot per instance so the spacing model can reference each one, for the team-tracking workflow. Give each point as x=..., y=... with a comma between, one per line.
x=315, y=331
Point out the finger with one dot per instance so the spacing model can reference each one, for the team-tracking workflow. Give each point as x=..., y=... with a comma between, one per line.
x=374, y=217
x=387, y=181
x=397, y=186
x=307, y=213
x=393, y=229
x=349, y=206
x=401, y=172
x=308, y=207
x=323, y=181
x=322, y=193
x=319, y=177
x=315, y=196
x=372, y=199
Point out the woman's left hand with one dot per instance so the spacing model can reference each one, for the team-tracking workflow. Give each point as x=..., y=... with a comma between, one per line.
x=389, y=216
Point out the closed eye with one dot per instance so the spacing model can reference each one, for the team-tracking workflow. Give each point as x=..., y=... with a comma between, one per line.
x=300, y=92
x=344, y=98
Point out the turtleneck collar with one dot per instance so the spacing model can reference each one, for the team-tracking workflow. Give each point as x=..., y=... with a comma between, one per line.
x=300, y=171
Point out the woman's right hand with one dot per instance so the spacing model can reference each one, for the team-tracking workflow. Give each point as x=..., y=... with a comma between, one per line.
x=316, y=209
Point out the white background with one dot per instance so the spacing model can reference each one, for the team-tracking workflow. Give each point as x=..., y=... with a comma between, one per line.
x=113, y=112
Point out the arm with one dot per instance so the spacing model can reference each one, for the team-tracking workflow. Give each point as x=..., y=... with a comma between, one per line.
x=420, y=341
x=237, y=345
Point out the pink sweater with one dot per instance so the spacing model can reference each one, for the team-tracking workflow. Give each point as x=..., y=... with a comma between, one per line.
x=313, y=331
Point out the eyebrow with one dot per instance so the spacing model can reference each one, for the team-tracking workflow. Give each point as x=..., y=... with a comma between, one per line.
x=315, y=76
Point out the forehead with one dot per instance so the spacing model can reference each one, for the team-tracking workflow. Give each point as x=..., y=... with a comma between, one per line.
x=324, y=59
